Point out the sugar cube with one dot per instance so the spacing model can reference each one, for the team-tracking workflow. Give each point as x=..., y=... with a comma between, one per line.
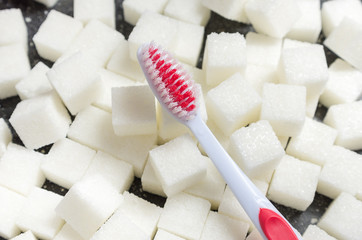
x=88, y=204
x=150, y=182
x=347, y=119
x=334, y=11
x=142, y=213
x=218, y=226
x=342, y=172
x=184, y=215
x=273, y=18
x=230, y=9
x=35, y=83
x=11, y=19
x=93, y=128
x=38, y=215
x=14, y=65
x=224, y=55
x=5, y=136
x=163, y=235
x=28, y=235
x=233, y=104
x=312, y=141
x=103, y=10
x=294, y=183
x=116, y=171
x=178, y=164
x=344, y=40
x=309, y=25
x=153, y=27
x=313, y=232
x=20, y=169
x=190, y=11
x=55, y=34
x=133, y=111
x=133, y=9
x=67, y=233
x=343, y=218
x=12, y=203
x=41, y=120
x=121, y=63
x=344, y=84
x=67, y=162
x=284, y=107
x=245, y=145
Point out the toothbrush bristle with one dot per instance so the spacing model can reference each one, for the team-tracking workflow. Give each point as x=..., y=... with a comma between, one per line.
x=173, y=84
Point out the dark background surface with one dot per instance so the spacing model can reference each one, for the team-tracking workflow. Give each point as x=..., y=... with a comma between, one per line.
x=35, y=14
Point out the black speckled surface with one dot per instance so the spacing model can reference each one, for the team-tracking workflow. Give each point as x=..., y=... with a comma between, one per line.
x=35, y=14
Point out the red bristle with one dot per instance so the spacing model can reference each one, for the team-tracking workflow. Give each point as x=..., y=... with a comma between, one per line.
x=151, y=51
x=183, y=88
x=191, y=107
x=159, y=64
x=164, y=68
x=156, y=57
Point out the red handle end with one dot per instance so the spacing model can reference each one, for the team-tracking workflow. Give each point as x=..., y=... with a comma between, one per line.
x=274, y=226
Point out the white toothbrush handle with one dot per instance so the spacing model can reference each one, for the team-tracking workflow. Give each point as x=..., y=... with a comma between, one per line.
x=255, y=204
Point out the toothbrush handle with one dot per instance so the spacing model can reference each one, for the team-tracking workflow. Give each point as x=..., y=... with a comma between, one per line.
x=266, y=218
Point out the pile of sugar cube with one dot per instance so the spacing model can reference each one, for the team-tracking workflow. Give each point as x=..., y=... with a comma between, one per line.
x=260, y=92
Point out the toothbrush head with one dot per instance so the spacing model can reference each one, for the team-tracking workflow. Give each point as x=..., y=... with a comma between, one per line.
x=170, y=83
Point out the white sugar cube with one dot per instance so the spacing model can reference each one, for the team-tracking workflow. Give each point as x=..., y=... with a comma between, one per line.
x=347, y=119
x=20, y=169
x=178, y=164
x=142, y=213
x=153, y=27
x=257, y=75
x=245, y=145
x=76, y=81
x=189, y=42
x=342, y=172
x=233, y=104
x=284, y=107
x=294, y=183
x=224, y=55
x=337, y=220
x=312, y=141
x=313, y=232
x=88, y=204
x=38, y=215
x=11, y=19
x=344, y=40
x=190, y=11
x=35, y=83
x=116, y=171
x=334, y=11
x=309, y=25
x=14, y=65
x=121, y=63
x=55, y=34
x=67, y=233
x=133, y=9
x=109, y=80
x=262, y=49
x=150, y=182
x=67, y=162
x=164, y=235
x=273, y=18
x=304, y=64
x=230, y=9
x=344, y=84
x=111, y=229
x=87, y=10
x=48, y=3
x=5, y=136
x=28, y=235
x=184, y=215
x=133, y=111
x=218, y=226
x=211, y=188
x=97, y=40
x=12, y=203
x=40, y=121
x=93, y=128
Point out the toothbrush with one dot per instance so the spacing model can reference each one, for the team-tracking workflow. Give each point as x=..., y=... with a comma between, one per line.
x=177, y=92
